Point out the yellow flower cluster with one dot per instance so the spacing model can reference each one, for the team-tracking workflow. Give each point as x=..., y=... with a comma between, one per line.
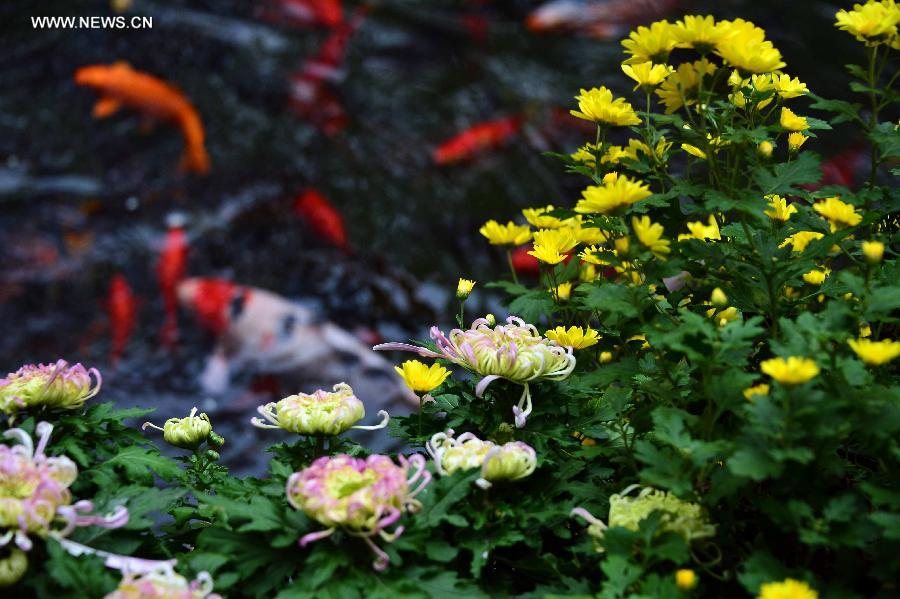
x=702, y=232
x=598, y=105
x=508, y=234
x=617, y=191
x=872, y=23
x=839, y=215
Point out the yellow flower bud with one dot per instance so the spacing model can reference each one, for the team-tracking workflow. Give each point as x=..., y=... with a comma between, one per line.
x=491, y=320
x=765, y=149
x=718, y=298
x=464, y=288
x=606, y=357
x=621, y=245
x=873, y=251
x=185, y=433
x=685, y=579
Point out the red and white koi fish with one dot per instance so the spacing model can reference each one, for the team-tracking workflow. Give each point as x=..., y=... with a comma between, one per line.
x=170, y=270
x=119, y=85
x=524, y=263
x=476, y=139
x=266, y=334
x=121, y=304
x=304, y=13
x=605, y=19
x=322, y=217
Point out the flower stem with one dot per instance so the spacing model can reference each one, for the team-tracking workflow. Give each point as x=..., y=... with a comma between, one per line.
x=512, y=269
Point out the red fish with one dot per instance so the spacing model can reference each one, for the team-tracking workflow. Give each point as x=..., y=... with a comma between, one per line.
x=211, y=300
x=322, y=217
x=171, y=269
x=310, y=96
x=524, y=263
x=120, y=85
x=604, y=20
x=304, y=13
x=122, y=307
x=477, y=138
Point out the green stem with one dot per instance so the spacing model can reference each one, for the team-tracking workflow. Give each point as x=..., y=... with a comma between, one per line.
x=512, y=269
x=873, y=120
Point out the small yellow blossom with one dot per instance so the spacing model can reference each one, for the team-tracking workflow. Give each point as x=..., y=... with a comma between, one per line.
x=791, y=121
x=816, y=277
x=875, y=353
x=508, y=234
x=788, y=88
x=865, y=331
x=647, y=74
x=540, y=218
x=791, y=371
x=650, y=44
x=553, y=245
x=694, y=151
x=563, y=291
x=685, y=579
x=643, y=338
x=873, y=22
x=718, y=298
x=873, y=251
x=750, y=392
x=464, y=288
x=605, y=357
x=622, y=245
x=702, y=232
x=701, y=33
x=615, y=192
x=743, y=46
x=422, y=378
x=796, y=141
x=574, y=337
x=765, y=148
x=779, y=209
x=587, y=273
x=651, y=236
x=586, y=235
x=798, y=241
x=839, y=214
x=787, y=589
x=725, y=316
x=591, y=255
x=680, y=88
x=586, y=154
x=598, y=105
x=636, y=146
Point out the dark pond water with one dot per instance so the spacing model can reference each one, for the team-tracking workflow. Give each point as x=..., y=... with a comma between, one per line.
x=85, y=199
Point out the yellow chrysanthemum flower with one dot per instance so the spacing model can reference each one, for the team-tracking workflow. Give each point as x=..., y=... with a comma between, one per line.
x=508, y=234
x=588, y=273
x=562, y=292
x=605, y=357
x=551, y=246
x=798, y=241
x=700, y=33
x=750, y=392
x=598, y=105
x=592, y=255
x=765, y=148
x=787, y=589
x=791, y=371
x=873, y=251
x=872, y=23
x=574, y=337
x=718, y=298
x=586, y=154
x=420, y=377
x=685, y=579
x=838, y=214
x=650, y=44
x=540, y=218
x=816, y=277
x=464, y=288
x=725, y=316
x=613, y=154
x=796, y=141
x=791, y=121
x=702, y=232
x=651, y=236
x=647, y=74
x=615, y=192
x=743, y=46
x=680, y=88
x=789, y=88
x=779, y=209
x=875, y=353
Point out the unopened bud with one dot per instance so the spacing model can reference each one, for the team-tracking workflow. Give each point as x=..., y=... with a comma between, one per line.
x=765, y=148
x=718, y=298
x=186, y=433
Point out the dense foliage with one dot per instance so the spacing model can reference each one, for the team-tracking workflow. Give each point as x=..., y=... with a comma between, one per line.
x=712, y=409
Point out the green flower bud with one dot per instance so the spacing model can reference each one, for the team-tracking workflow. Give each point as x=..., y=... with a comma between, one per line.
x=186, y=433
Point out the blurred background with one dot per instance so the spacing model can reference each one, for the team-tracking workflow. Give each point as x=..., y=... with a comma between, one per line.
x=354, y=150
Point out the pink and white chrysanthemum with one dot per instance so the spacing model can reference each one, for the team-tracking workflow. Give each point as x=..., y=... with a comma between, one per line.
x=48, y=385
x=514, y=351
x=319, y=413
x=510, y=461
x=359, y=496
x=164, y=584
x=34, y=493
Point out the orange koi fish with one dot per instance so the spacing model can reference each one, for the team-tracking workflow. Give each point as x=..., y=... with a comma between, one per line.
x=606, y=19
x=170, y=270
x=119, y=85
x=477, y=138
x=122, y=307
x=322, y=217
x=304, y=13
